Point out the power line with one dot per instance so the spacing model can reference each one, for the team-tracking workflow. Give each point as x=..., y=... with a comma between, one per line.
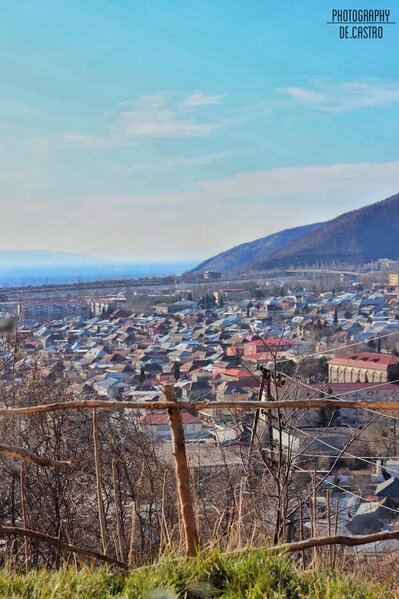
x=326, y=351
x=328, y=482
x=345, y=452
x=335, y=349
x=335, y=396
x=354, y=457
x=368, y=388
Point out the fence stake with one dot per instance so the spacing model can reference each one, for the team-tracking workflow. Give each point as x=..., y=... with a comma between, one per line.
x=100, y=501
x=182, y=473
x=22, y=480
x=130, y=560
x=121, y=544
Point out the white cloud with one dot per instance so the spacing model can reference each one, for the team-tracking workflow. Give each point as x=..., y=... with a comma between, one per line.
x=161, y=116
x=140, y=124
x=157, y=116
x=182, y=161
x=330, y=97
x=94, y=141
x=307, y=179
x=200, y=99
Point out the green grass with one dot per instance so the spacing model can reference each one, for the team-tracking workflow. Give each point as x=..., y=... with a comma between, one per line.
x=250, y=575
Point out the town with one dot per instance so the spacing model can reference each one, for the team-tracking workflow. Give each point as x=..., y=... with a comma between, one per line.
x=215, y=343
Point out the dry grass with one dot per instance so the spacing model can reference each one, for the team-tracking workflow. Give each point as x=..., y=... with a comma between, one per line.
x=252, y=574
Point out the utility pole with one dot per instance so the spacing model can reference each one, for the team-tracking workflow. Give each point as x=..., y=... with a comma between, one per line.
x=263, y=380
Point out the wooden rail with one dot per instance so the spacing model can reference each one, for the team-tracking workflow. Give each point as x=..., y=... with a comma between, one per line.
x=182, y=476
x=201, y=405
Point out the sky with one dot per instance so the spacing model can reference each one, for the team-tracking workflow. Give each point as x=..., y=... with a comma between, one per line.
x=173, y=130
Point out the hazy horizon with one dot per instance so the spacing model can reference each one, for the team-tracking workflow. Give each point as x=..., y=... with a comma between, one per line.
x=52, y=273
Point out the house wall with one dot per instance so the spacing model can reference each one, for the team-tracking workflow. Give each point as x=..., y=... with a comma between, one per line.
x=351, y=374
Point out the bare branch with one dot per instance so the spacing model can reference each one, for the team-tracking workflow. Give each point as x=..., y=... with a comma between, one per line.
x=335, y=540
x=29, y=456
x=33, y=534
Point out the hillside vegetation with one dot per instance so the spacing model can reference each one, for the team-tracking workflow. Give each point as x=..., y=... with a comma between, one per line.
x=259, y=249
x=356, y=237
x=359, y=236
x=253, y=574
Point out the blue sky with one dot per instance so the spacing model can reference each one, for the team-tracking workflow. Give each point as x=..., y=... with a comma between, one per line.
x=174, y=130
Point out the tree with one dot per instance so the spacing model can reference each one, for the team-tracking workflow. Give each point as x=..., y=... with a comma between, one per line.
x=142, y=375
x=328, y=416
x=288, y=367
x=176, y=370
x=258, y=294
x=207, y=301
x=314, y=370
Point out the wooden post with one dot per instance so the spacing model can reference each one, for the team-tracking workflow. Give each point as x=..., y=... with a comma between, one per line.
x=121, y=545
x=130, y=560
x=182, y=474
x=302, y=529
x=335, y=531
x=314, y=513
x=24, y=512
x=328, y=497
x=100, y=501
x=256, y=417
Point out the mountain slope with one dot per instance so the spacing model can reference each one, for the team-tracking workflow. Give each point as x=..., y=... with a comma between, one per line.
x=357, y=237
x=258, y=250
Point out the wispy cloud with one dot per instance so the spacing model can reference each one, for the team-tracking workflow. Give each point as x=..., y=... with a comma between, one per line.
x=287, y=181
x=161, y=116
x=181, y=161
x=95, y=141
x=325, y=96
x=200, y=99
x=157, y=116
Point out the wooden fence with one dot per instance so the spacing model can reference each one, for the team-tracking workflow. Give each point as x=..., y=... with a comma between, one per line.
x=174, y=409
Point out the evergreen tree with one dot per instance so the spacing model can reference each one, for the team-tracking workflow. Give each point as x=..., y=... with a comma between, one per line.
x=176, y=370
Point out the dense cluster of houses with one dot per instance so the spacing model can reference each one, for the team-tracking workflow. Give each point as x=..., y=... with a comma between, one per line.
x=214, y=352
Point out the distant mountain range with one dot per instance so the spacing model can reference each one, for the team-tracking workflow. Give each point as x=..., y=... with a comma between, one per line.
x=355, y=237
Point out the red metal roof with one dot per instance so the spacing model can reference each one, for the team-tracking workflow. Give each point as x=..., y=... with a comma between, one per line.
x=366, y=360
